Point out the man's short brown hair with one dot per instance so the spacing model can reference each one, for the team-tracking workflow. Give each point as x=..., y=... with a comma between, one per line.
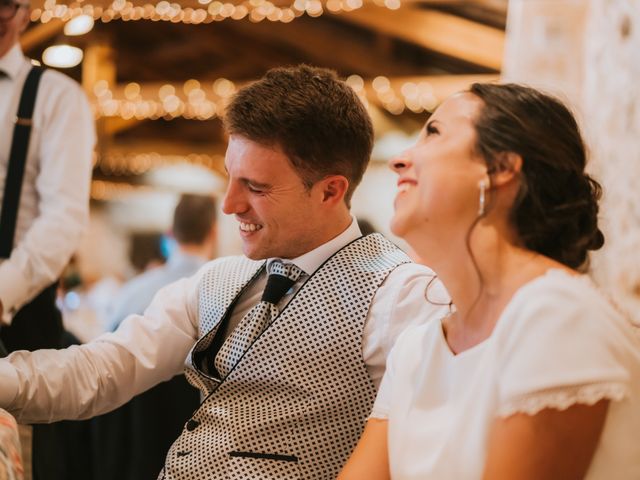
x=316, y=119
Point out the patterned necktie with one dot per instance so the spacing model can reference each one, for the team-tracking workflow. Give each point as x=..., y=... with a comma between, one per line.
x=281, y=278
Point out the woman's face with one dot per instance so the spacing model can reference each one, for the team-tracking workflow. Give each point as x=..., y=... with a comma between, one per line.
x=438, y=178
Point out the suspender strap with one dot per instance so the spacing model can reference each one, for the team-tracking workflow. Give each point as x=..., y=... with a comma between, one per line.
x=17, y=161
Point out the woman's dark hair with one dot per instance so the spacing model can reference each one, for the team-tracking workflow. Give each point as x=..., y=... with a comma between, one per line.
x=556, y=209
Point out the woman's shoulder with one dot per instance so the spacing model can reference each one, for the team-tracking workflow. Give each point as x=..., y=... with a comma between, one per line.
x=565, y=306
x=559, y=290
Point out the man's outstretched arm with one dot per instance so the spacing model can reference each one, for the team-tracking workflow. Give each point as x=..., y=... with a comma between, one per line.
x=87, y=380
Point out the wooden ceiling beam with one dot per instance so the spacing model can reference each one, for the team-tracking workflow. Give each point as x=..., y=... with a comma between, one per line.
x=326, y=44
x=437, y=31
x=39, y=34
x=114, y=125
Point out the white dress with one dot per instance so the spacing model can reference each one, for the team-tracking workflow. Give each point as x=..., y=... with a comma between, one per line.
x=558, y=342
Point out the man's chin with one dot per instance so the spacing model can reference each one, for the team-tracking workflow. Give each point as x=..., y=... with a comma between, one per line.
x=253, y=253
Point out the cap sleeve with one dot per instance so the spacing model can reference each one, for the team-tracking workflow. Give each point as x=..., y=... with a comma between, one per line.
x=382, y=404
x=563, y=344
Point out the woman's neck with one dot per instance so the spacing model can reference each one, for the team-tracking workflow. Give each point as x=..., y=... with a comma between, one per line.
x=482, y=284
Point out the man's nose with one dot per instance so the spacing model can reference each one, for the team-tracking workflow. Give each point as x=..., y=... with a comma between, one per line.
x=233, y=201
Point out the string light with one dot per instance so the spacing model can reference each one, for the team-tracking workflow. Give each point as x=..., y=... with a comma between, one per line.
x=209, y=11
x=204, y=101
x=119, y=164
x=192, y=100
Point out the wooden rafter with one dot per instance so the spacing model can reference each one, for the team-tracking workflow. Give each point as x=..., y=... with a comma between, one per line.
x=440, y=32
x=325, y=44
x=39, y=34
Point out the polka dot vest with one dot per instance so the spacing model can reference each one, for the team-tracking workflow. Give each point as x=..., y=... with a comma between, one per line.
x=295, y=404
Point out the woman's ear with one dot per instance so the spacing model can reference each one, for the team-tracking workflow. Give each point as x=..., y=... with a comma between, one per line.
x=507, y=168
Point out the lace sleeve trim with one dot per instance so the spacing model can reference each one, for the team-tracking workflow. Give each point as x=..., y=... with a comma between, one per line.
x=562, y=398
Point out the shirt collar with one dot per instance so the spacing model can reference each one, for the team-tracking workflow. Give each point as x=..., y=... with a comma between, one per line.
x=311, y=261
x=12, y=61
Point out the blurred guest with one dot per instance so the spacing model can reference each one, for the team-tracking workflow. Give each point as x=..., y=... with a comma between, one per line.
x=194, y=231
x=46, y=141
x=146, y=251
x=534, y=374
x=44, y=185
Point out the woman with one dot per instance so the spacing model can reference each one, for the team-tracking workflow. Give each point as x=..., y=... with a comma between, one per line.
x=533, y=374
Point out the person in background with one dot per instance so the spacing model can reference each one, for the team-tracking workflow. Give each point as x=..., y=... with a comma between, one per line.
x=534, y=374
x=131, y=442
x=194, y=231
x=53, y=203
x=45, y=173
x=288, y=342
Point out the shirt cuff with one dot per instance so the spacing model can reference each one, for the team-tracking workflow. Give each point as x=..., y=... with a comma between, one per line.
x=9, y=382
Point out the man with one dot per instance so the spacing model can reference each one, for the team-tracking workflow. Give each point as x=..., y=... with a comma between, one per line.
x=288, y=362
x=45, y=172
x=132, y=441
x=53, y=200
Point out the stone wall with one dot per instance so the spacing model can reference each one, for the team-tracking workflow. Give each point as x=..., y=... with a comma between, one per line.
x=588, y=52
x=611, y=105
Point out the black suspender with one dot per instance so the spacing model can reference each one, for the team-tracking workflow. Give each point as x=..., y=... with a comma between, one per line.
x=17, y=160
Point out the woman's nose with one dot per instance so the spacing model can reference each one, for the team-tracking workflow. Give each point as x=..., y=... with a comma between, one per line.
x=399, y=163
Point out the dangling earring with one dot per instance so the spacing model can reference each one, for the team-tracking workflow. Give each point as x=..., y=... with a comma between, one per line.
x=482, y=185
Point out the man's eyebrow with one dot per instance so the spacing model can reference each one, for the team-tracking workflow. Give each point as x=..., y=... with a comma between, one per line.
x=254, y=183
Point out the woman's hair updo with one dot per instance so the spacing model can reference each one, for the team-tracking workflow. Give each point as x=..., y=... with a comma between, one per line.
x=556, y=209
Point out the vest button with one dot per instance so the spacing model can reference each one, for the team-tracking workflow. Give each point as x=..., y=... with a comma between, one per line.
x=192, y=425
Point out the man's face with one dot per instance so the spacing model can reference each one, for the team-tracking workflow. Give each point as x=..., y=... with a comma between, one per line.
x=277, y=215
x=11, y=28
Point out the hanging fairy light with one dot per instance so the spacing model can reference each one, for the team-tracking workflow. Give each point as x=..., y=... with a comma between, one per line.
x=209, y=11
x=62, y=56
x=204, y=101
x=79, y=25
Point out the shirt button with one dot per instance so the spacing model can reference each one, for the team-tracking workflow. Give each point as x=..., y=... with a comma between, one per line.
x=192, y=425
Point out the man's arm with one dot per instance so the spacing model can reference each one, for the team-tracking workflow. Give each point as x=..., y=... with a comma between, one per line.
x=67, y=137
x=87, y=380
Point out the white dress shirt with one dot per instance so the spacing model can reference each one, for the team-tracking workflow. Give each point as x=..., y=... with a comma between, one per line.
x=54, y=200
x=83, y=381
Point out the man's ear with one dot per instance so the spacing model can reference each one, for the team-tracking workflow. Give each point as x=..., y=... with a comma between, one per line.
x=333, y=188
x=507, y=168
